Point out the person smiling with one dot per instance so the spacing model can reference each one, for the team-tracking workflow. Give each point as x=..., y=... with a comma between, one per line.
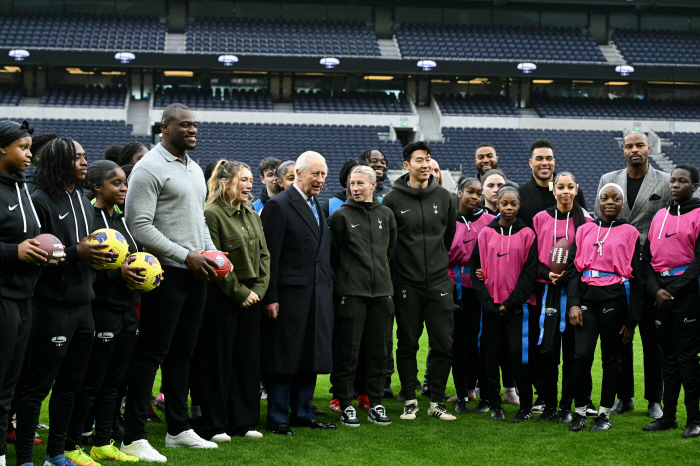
x=671, y=266
x=377, y=161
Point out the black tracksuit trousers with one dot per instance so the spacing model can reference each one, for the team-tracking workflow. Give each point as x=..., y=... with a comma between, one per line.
x=170, y=319
x=516, y=335
x=60, y=348
x=115, y=340
x=679, y=335
x=230, y=361
x=360, y=321
x=466, y=362
x=434, y=307
x=15, y=326
x=604, y=319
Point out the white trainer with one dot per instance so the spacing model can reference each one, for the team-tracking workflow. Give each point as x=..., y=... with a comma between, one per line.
x=221, y=438
x=253, y=434
x=143, y=451
x=188, y=438
x=439, y=411
x=409, y=410
x=2, y=461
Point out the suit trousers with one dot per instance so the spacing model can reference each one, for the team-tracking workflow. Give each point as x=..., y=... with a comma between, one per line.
x=285, y=391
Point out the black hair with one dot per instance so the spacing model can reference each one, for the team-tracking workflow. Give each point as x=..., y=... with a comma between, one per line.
x=411, y=147
x=39, y=141
x=484, y=144
x=170, y=111
x=56, y=167
x=127, y=170
x=576, y=211
x=269, y=163
x=346, y=169
x=629, y=133
x=111, y=153
x=465, y=181
x=691, y=169
x=539, y=144
x=97, y=173
x=282, y=168
x=366, y=155
x=127, y=153
x=508, y=189
x=495, y=171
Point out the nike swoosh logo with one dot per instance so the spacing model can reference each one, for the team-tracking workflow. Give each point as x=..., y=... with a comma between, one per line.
x=605, y=311
x=687, y=321
x=443, y=294
x=61, y=217
x=404, y=211
x=465, y=242
x=353, y=226
x=672, y=234
x=12, y=207
x=501, y=255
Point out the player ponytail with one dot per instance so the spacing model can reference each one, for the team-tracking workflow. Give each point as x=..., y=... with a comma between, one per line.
x=56, y=168
x=223, y=174
x=97, y=173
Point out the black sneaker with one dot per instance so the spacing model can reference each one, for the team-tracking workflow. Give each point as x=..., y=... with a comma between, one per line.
x=661, y=424
x=425, y=390
x=565, y=416
x=590, y=410
x=348, y=417
x=692, y=430
x=602, y=422
x=400, y=398
x=622, y=406
x=578, y=423
x=538, y=406
x=378, y=415
x=118, y=427
x=462, y=406
x=482, y=407
x=388, y=393
x=522, y=415
x=497, y=414
x=549, y=414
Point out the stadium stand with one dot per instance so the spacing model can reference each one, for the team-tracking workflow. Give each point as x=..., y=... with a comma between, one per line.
x=85, y=32
x=10, y=95
x=683, y=148
x=360, y=102
x=497, y=43
x=215, y=99
x=482, y=105
x=80, y=96
x=273, y=37
x=575, y=107
x=654, y=47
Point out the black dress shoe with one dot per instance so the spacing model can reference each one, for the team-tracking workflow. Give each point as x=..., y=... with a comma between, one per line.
x=655, y=411
x=661, y=424
x=549, y=414
x=87, y=440
x=602, y=422
x=425, y=390
x=692, y=431
x=317, y=412
x=565, y=416
x=118, y=427
x=401, y=398
x=279, y=428
x=312, y=423
x=497, y=414
x=388, y=393
x=622, y=406
x=578, y=423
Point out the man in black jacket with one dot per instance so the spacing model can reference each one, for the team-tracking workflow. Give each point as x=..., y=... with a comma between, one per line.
x=425, y=217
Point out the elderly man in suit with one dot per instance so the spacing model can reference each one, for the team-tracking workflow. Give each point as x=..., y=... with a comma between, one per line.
x=646, y=191
x=298, y=307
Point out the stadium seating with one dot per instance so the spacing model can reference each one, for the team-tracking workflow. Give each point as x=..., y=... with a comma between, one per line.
x=79, y=96
x=10, y=95
x=263, y=37
x=88, y=32
x=671, y=47
x=209, y=99
x=360, y=102
x=497, y=43
x=684, y=148
x=482, y=105
x=574, y=107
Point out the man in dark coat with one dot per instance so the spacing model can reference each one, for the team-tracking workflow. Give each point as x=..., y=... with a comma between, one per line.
x=298, y=307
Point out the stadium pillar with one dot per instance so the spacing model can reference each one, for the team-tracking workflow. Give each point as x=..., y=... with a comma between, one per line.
x=177, y=16
x=383, y=22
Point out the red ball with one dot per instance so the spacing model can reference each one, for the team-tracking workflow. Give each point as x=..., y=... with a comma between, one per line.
x=51, y=246
x=221, y=259
x=559, y=256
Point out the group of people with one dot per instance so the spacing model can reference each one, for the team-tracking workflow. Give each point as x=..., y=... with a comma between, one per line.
x=314, y=289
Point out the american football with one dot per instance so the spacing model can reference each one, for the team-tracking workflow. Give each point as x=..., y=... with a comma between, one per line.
x=51, y=246
x=559, y=255
x=222, y=260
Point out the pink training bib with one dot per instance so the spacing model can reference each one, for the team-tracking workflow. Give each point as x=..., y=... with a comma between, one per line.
x=672, y=239
x=608, y=250
x=544, y=229
x=463, y=244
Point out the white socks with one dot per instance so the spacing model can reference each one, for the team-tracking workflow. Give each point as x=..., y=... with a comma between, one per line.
x=581, y=410
x=605, y=411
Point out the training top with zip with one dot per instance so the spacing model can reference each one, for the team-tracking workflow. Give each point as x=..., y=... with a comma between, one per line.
x=18, y=222
x=111, y=292
x=425, y=221
x=363, y=238
x=466, y=234
x=673, y=241
x=70, y=219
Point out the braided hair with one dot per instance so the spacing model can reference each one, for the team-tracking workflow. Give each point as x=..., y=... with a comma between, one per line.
x=56, y=168
x=127, y=153
x=97, y=173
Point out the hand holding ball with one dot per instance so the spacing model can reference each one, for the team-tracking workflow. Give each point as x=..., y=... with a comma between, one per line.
x=559, y=256
x=153, y=274
x=52, y=246
x=224, y=265
x=118, y=248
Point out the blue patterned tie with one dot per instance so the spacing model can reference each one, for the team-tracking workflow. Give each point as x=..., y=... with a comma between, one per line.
x=313, y=207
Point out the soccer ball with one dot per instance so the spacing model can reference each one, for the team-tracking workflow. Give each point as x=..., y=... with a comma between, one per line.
x=118, y=247
x=153, y=273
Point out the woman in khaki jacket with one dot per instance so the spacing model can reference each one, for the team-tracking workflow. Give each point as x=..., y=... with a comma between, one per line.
x=230, y=335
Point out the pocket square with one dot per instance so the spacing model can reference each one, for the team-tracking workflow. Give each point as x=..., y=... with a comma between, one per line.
x=655, y=197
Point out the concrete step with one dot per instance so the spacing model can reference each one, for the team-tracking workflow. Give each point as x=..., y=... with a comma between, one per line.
x=283, y=107
x=175, y=43
x=528, y=113
x=389, y=48
x=138, y=116
x=612, y=54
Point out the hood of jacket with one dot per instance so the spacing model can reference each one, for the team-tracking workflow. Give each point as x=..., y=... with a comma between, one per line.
x=684, y=207
x=353, y=204
x=509, y=230
x=401, y=184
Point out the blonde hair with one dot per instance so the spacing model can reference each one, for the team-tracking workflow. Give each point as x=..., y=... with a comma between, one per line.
x=224, y=169
x=365, y=170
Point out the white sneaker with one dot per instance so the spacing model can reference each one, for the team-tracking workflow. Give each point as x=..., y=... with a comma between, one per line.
x=2, y=461
x=253, y=434
x=143, y=451
x=410, y=410
x=439, y=411
x=188, y=438
x=221, y=438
